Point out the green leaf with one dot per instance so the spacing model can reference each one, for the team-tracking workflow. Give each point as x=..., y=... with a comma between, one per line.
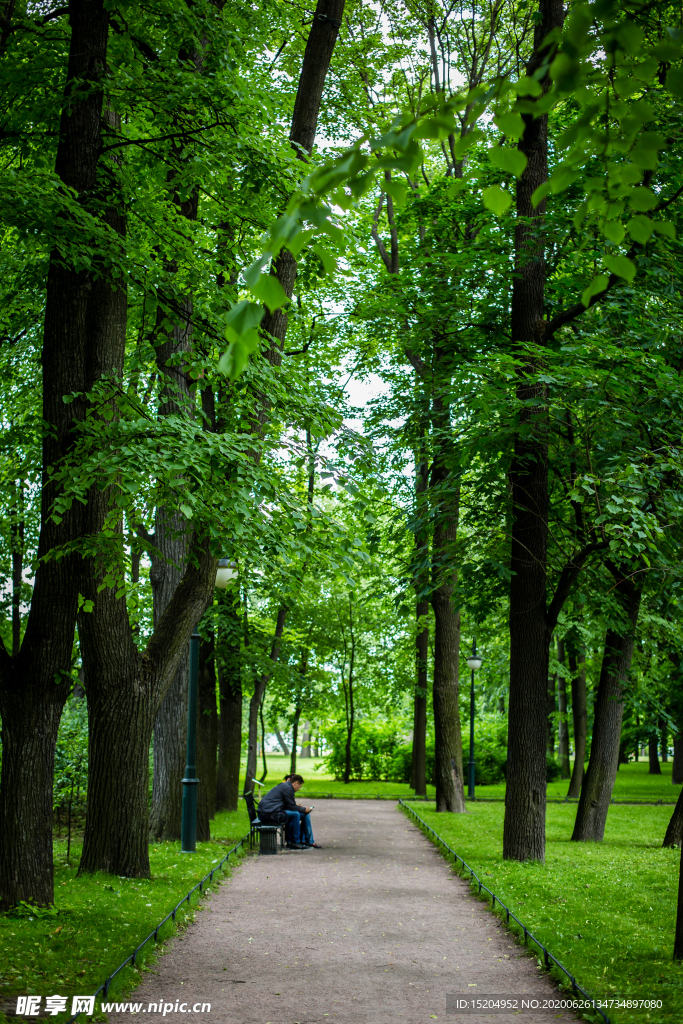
x=527, y=87
x=664, y=227
x=397, y=190
x=674, y=81
x=510, y=160
x=241, y=318
x=642, y=199
x=464, y=143
x=187, y=511
x=614, y=230
x=496, y=200
x=597, y=285
x=622, y=266
x=233, y=361
x=270, y=292
x=511, y=124
x=640, y=228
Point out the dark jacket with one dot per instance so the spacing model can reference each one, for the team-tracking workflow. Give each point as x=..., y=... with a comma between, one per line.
x=279, y=798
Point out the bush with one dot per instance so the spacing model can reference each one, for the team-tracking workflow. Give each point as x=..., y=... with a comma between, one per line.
x=373, y=748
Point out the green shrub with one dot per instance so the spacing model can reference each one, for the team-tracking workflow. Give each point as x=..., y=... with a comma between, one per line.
x=373, y=749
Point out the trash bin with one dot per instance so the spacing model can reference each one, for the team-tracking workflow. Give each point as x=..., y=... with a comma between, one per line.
x=268, y=839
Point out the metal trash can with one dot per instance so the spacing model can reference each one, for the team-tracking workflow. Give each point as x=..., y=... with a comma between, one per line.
x=268, y=839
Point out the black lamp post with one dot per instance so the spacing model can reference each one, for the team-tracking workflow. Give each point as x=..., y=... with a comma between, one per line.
x=473, y=662
x=226, y=572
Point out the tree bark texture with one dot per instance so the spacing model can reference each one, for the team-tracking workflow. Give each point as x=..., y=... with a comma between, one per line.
x=678, y=940
x=551, y=708
x=525, y=799
x=257, y=696
x=674, y=831
x=207, y=736
x=596, y=791
x=31, y=700
x=563, y=726
x=127, y=687
x=230, y=703
x=677, y=766
x=580, y=720
x=295, y=739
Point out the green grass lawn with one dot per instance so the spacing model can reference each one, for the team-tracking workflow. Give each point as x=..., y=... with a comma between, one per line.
x=633, y=783
x=605, y=910
x=98, y=920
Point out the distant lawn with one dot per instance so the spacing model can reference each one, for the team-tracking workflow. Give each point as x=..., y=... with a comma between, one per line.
x=98, y=920
x=633, y=783
x=605, y=910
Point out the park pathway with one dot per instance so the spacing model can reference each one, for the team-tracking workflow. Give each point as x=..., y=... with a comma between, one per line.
x=372, y=929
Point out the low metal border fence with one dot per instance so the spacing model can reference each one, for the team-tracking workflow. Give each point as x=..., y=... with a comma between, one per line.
x=547, y=955
x=104, y=987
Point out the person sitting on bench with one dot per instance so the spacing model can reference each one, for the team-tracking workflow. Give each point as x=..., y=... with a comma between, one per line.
x=278, y=807
x=305, y=827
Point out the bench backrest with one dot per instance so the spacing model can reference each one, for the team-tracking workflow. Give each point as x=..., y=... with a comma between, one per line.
x=251, y=807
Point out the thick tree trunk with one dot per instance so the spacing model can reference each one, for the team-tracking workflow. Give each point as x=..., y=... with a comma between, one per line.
x=30, y=700
x=125, y=690
x=525, y=797
x=120, y=716
x=677, y=767
x=653, y=754
x=207, y=736
x=674, y=831
x=284, y=747
x=580, y=719
x=563, y=727
x=664, y=734
x=596, y=791
x=257, y=697
x=230, y=702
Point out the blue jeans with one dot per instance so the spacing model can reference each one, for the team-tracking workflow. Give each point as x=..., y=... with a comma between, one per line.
x=292, y=827
x=306, y=830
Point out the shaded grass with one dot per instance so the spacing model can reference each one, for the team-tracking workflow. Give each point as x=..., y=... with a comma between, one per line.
x=605, y=910
x=99, y=919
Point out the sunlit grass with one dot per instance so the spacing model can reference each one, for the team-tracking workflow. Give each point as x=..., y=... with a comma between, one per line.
x=605, y=910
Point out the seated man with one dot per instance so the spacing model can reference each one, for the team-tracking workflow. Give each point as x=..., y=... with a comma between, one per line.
x=279, y=807
x=305, y=827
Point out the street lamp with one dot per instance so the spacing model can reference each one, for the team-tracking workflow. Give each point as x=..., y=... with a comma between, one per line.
x=474, y=663
x=225, y=572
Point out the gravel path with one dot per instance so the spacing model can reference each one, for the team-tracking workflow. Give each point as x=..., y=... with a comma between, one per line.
x=306, y=938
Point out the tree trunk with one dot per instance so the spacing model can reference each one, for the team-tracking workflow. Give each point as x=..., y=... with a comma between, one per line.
x=674, y=831
x=283, y=743
x=596, y=791
x=678, y=940
x=350, y=706
x=207, y=737
x=419, y=760
x=17, y=544
x=257, y=697
x=664, y=733
x=31, y=700
x=525, y=795
x=563, y=727
x=551, y=708
x=580, y=719
x=677, y=767
x=295, y=739
x=230, y=702
x=306, y=741
x=125, y=690
x=655, y=768
x=448, y=771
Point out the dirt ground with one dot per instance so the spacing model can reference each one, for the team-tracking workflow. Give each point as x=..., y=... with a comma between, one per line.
x=306, y=938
